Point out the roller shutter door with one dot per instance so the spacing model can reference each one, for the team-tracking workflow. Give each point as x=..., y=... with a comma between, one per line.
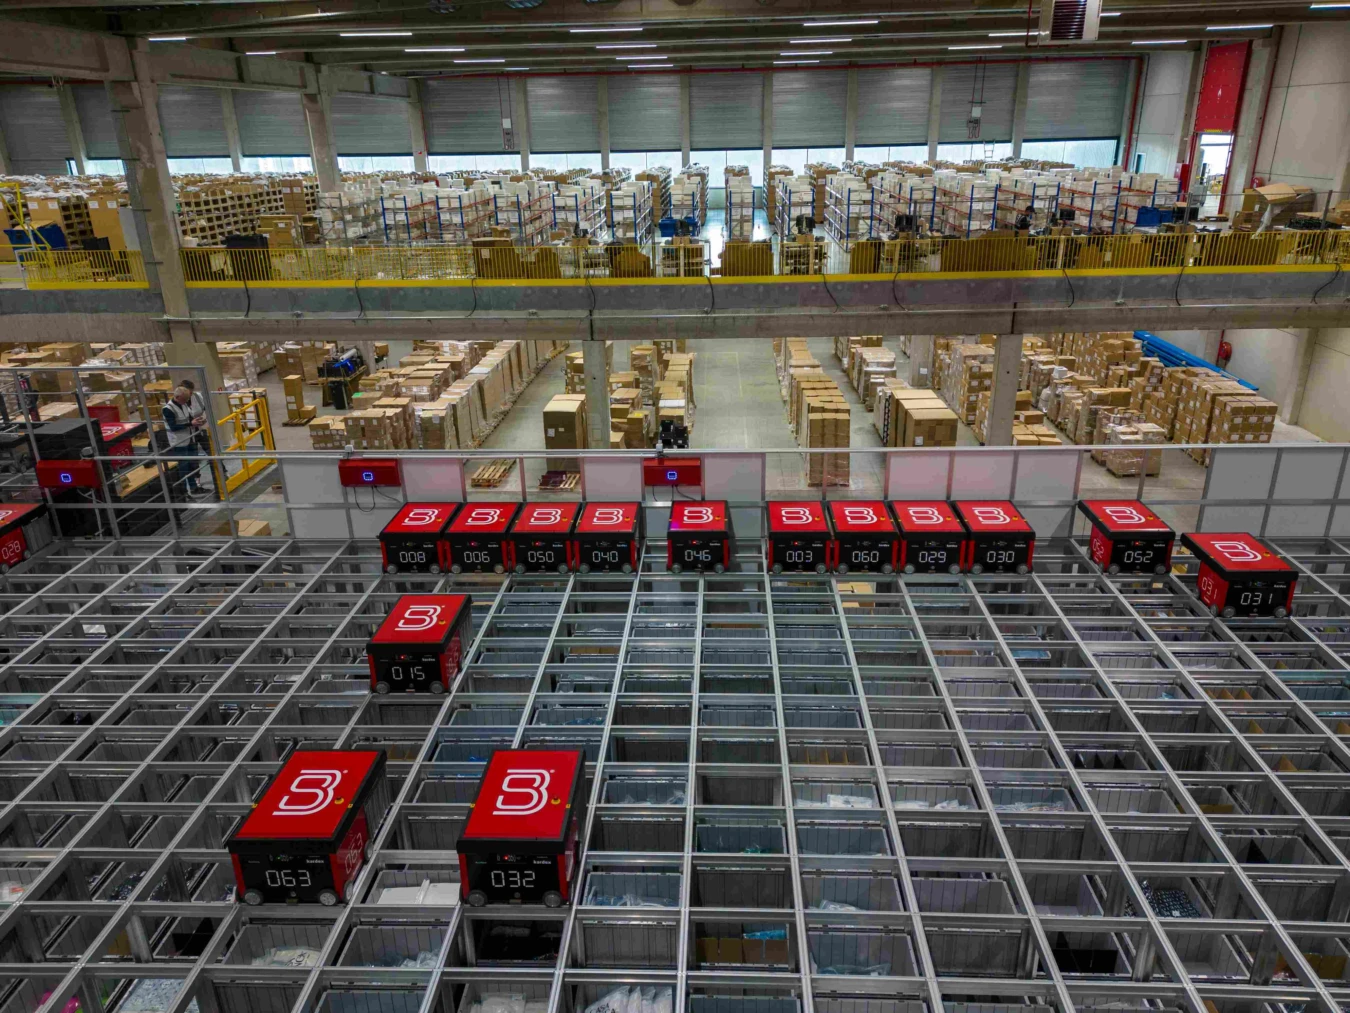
x=958, y=84
x=96, y=122
x=726, y=111
x=809, y=108
x=34, y=132
x=271, y=123
x=893, y=105
x=564, y=114
x=644, y=113
x=193, y=122
x=464, y=117
x=366, y=125
x=1082, y=98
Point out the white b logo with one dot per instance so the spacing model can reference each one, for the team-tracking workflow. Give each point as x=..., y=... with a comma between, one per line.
x=5, y=515
x=546, y=515
x=315, y=788
x=924, y=515
x=418, y=617
x=532, y=784
x=1237, y=552
x=1124, y=514
x=607, y=515
x=794, y=515
x=698, y=515
x=859, y=515
x=422, y=515
x=483, y=515
x=990, y=515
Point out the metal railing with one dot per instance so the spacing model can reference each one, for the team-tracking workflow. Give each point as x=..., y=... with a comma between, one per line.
x=62, y=269
x=250, y=423
x=430, y=265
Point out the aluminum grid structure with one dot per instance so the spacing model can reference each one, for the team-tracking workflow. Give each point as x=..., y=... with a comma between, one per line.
x=845, y=795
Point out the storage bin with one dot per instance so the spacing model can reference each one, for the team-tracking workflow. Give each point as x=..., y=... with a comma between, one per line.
x=277, y=944
x=1063, y=893
x=861, y=952
x=613, y=832
x=842, y=839
x=758, y=945
x=963, y=895
x=740, y=838
x=644, y=791
x=834, y=794
x=936, y=795
x=648, y=943
x=843, y=892
x=411, y=946
x=632, y=889
x=975, y=953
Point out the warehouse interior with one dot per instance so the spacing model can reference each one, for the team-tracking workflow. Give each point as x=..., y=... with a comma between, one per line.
x=678, y=506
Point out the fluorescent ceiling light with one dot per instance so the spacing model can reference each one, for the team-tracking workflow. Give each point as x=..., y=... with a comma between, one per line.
x=1311, y=7
x=642, y=56
x=515, y=68
x=1010, y=35
x=168, y=38
x=261, y=52
x=1110, y=14
x=810, y=52
x=836, y=24
x=1234, y=28
x=480, y=61
x=779, y=63
x=373, y=35
x=627, y=45
x=585, y=31
x=1158, y=42
x=982, y=45
x=814, y=42
x=436, y=49
x=641, y=66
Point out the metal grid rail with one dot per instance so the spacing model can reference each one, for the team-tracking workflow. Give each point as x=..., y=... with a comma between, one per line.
x=845, y=795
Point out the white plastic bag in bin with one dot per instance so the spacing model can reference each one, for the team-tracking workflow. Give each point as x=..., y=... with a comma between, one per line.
x=154, y=995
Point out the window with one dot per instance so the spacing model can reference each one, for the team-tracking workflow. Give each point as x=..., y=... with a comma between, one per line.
x=1138, y=161
x=894, y=153
x=204, y=166
x=277, y=163
x=978, y=151
x=1098, y=153
x=717, y=162
x=98, y=166
x=796, y=159
x=376, y=163
x=474, y=163
x=563, y=161
x=641, y=161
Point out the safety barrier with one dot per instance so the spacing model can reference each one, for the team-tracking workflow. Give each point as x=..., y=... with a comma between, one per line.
x=248, y=423
x=64, y=269
x=1000, y=255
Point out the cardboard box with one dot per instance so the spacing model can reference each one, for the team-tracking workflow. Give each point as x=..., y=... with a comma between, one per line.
x=930, y=427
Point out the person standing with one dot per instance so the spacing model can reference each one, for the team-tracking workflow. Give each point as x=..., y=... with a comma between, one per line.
x=182, y=427
x=203, y=435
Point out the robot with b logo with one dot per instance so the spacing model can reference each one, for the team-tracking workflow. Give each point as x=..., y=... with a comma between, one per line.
x=421, y=645
x=1240, y=575
x=699, y=537
x=799, y=537
x=1000, y=539
x=541, y=538
x=413, y=542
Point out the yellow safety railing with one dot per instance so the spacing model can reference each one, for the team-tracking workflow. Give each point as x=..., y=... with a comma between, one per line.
x=249, y=423
x=58, y=269
x=998, y=254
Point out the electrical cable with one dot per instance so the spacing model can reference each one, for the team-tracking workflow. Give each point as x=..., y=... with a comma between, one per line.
x=248, y=299
x=1073, y=296
x=356, y=287
x=1334, y=275
x=825, y=280
x=712, y=296
x=1176, y=292
x=473, y=287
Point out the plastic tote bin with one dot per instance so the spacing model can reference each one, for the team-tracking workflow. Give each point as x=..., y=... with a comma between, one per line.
x=861, y=952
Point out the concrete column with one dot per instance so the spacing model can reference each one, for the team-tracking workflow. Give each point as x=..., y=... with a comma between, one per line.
x=602, y=104
x=851, y=114
x=921, y=360
x=1289, y=394
x=1003, y=399
x=767, y=119
x=685, y=133
x=597, y=393
x=1019, y=124
x=520, y=119
x=135, y=109
x=934, y=112
x=1129, y=117
x=418, y=125
x=232, y=129
x=1251, y=117
x=322, y=144
x=74, y=131
x=1187, y=125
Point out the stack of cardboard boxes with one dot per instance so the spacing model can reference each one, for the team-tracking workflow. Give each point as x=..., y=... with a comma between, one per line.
x=909, y=417
x=297, y=412
x=967, y=370
x=565, y=428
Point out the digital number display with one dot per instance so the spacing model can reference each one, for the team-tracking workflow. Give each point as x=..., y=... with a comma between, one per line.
x=288, y=878
x=507, y=879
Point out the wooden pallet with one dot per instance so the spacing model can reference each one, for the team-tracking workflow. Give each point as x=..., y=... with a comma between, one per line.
x=559, y=480
x=492, y=474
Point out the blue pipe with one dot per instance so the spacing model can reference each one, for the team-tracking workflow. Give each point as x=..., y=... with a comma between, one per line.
x=1171, y=355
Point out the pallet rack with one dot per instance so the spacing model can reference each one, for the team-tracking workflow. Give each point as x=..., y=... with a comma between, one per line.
x=914, y=197
x=849, y=215
x=659, y=178
x=965, y=213
x=580, y=212
x=1038, y=200
x=346, y=216
x=833, y=795
x=788, y=206
x=740, y=221
x=1164, y=193
x=1094, y=202
x=463, y=217
x=629, y=214
x=527, y=219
